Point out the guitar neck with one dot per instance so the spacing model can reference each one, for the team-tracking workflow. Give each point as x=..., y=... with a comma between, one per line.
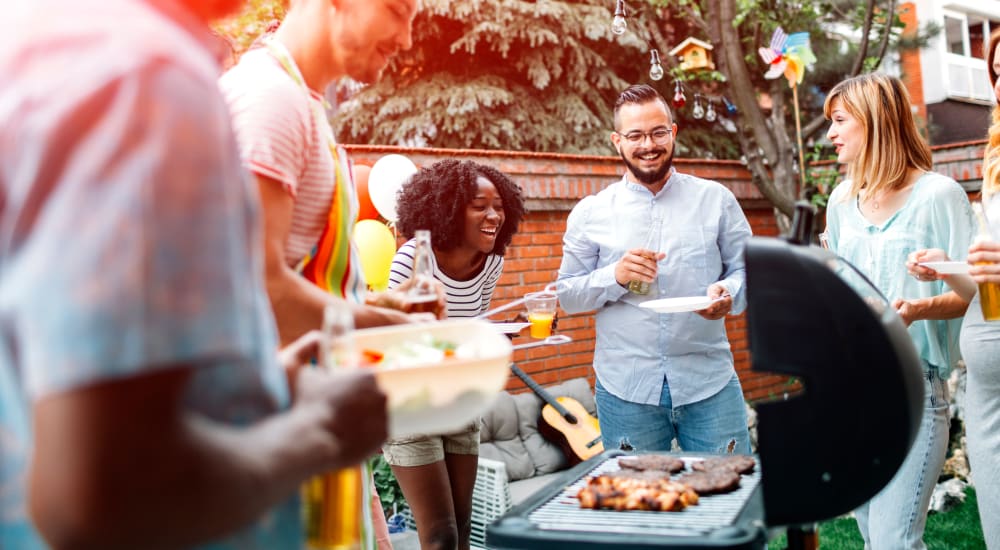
x=540, y=391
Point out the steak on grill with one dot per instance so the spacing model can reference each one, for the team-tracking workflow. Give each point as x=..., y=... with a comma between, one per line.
x=652, y=462
x=740, y=464
x=712, y=482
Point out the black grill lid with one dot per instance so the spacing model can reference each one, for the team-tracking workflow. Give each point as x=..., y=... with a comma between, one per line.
x=832, y=447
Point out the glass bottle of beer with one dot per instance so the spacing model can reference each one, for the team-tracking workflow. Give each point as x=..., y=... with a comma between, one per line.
x=334, y=503
x=651, y=246
x=989, y=293
x=422, y=298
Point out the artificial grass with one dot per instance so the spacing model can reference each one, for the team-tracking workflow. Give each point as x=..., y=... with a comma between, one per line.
x=956, y=529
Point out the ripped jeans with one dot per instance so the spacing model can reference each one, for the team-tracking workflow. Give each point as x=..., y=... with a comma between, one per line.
x=717, y=424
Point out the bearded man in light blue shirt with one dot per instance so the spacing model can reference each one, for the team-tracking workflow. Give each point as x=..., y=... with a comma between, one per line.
x=660, y=376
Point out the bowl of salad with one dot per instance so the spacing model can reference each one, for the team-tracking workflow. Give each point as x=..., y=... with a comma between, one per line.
x=439, y=377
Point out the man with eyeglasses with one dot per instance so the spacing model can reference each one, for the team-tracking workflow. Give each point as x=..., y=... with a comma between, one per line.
x=660, y=376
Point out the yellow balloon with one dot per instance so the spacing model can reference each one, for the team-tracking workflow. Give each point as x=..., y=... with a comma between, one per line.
x=376, y=247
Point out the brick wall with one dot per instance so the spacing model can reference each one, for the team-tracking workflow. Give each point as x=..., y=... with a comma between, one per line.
x=552, y=185
x=909, y=60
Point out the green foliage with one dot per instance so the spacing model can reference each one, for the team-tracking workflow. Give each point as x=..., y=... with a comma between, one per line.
x=822, y=177
x=242, y=29
x=497, y=74
x=956, y=529
x=388, y=489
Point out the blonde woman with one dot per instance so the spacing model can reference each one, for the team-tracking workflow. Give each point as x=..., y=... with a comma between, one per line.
x=889, y=206
x=980, y=340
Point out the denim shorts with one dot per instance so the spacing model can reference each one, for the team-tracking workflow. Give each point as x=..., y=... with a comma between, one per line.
x=420, y=450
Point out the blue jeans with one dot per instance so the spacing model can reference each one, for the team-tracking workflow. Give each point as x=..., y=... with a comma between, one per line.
x=895, y=518
x=714, y=425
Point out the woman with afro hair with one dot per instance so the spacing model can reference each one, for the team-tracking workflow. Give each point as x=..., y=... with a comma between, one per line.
x=472, y=212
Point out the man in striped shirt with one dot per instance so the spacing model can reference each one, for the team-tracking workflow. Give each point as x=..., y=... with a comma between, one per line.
x=275, y=94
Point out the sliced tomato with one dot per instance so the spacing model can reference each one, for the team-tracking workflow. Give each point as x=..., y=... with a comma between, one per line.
x=371, y=357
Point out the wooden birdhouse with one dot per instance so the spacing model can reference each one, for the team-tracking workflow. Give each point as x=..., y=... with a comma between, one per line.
x=694, y=54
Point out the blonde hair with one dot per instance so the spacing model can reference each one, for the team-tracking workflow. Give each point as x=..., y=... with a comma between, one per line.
x=892, y=143
x=991, y=159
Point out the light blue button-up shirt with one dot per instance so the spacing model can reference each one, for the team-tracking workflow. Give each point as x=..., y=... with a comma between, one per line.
x=703, y=232
x=937, y=214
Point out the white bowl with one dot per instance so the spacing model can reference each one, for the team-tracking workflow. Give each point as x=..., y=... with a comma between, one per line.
x=443, y=396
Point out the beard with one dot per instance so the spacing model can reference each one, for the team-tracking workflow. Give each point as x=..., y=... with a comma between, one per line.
x=649, y=177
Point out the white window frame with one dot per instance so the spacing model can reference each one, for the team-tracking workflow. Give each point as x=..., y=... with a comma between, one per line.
x=963, y=69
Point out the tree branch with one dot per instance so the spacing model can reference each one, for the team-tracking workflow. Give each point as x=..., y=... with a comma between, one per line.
x=859, y=61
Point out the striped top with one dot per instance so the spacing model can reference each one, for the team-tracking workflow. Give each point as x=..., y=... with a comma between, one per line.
x=465, y=298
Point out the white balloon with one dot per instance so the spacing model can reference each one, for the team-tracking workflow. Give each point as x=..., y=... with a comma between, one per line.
x=385, y=180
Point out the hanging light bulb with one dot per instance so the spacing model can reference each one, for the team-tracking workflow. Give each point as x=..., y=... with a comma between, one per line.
x=618, y=23
x=655, y=69
x=679, y=98
x=730, y=108
x=697, y=112
x=710, y=115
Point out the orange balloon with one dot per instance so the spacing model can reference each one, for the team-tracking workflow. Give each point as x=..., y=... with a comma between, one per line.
x=367, y=210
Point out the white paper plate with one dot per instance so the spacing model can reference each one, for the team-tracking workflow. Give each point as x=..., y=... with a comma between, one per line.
x=678, y=305
x=947, y=268
x=510, y=328
x=445, y=396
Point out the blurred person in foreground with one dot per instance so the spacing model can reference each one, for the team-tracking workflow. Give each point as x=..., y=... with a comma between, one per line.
x=980, y=339
x=473, y=212
x=659, y=376
x=889, y=206
x=142, y=402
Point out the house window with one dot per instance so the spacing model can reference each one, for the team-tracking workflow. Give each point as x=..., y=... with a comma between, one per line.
x=966, y=36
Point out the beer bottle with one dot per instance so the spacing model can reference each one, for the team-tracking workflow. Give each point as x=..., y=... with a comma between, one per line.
x=651, y=246
x=335, y=504
x=989, y=293
x=422, y=298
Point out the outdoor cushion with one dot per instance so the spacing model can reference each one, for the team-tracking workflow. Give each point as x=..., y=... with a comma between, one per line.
x=500, y=440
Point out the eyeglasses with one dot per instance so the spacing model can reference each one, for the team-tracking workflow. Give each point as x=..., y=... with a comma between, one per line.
x=659, y=136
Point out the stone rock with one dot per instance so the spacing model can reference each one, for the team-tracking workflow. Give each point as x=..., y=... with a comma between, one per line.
x=957, y=465
x=947, y=495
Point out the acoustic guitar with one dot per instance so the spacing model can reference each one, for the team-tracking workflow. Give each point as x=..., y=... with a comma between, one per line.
x=565, y=422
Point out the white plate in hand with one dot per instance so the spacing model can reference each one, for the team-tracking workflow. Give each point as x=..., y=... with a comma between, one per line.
x=947, y=268
x=678, y=305
x=510, y=328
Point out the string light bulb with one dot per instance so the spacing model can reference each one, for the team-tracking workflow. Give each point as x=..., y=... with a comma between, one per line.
x=730, y=108
x=679, y=98
x=710, y=115
x=655, y=69
x=618, y=24
x=697, y=112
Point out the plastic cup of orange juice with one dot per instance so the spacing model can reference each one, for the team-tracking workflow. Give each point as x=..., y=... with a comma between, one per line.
x=541, y=308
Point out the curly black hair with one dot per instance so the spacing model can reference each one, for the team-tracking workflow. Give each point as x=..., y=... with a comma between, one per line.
x=436, y=196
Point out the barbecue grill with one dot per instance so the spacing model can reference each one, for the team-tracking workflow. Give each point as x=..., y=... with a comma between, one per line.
x=822, y=452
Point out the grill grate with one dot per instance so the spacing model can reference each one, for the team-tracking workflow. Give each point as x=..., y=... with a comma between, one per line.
x=563, y=513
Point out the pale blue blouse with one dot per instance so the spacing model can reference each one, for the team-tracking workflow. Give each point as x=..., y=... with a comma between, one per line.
x=937, y=214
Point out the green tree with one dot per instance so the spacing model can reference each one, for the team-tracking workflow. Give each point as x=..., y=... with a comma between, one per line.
x=767, y=135
x=497, y=74
x=542, y=75
x=243, y=28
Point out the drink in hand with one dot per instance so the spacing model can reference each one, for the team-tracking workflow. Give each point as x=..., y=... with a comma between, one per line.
x=652, y=245
x=989, y=293
x=541, y=324
x=541, y=308
x=422, y=296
